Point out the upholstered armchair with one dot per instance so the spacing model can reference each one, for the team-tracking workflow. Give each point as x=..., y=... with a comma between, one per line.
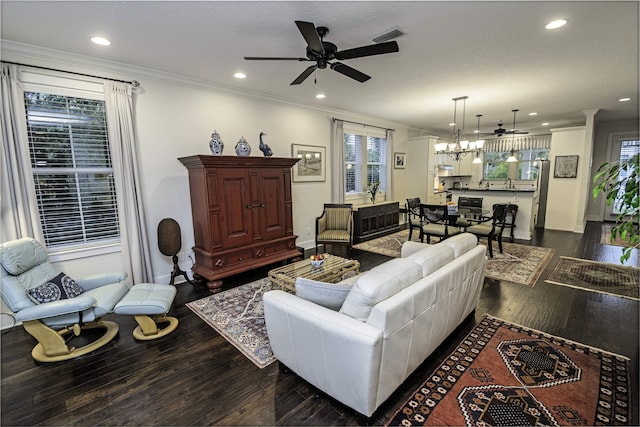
x=335, y=226
x=55, y=309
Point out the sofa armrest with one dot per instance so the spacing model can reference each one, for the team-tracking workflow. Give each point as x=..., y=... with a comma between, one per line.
x=336, y=353
x=56, y=308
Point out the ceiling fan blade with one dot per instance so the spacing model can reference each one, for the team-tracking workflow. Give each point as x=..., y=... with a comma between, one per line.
x=349, y=72
x=373, y=49
x=311, y=36
x=306, y=73
x=275, y=58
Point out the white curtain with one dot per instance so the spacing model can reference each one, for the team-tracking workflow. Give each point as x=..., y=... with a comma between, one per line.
x=19, y=209
x=133, y=230
x=337, y=156
x=390, y=160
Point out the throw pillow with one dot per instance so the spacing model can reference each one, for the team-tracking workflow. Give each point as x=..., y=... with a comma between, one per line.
x=328, y=295
x=60, y=287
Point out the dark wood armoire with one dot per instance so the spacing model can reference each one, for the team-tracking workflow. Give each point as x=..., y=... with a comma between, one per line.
x=242, y=214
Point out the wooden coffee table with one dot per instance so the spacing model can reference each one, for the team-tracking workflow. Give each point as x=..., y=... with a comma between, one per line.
x=332, y=270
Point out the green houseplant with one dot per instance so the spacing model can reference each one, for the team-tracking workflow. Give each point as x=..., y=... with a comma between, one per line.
x=620, y=180
x=373, y=190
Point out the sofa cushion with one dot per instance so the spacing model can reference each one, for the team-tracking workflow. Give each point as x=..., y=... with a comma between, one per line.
x=409, y=248
x=432, y=258
x=461, y=243
x=378, y=284
x=60, y=287
x=329, y=295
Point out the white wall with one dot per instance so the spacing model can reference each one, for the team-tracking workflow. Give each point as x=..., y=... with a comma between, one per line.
x=175, y=117
x=564, y=195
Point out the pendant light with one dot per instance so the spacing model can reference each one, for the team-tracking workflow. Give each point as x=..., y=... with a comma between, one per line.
x=512, y=156
x=478, y=144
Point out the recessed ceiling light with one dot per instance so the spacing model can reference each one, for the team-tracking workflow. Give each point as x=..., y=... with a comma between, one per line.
x=556, y=24
x=545, y=124
x=320, y=96
x=624, y=99
x=101, y=41
x=533, y=113
x=240, y=75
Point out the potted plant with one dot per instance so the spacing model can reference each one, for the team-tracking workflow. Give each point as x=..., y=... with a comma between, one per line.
x=373, y=190
x=614, y=184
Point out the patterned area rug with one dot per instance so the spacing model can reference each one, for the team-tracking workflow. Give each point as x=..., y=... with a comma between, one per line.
x=595, y=276
x=521, y=264
x=238, y=315
x=504, y=374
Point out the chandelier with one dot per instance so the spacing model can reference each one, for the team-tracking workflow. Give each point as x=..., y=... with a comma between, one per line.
x=461, y=145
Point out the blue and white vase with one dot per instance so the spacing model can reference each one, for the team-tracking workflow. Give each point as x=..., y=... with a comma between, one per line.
x=215, y=144
x=243, y=148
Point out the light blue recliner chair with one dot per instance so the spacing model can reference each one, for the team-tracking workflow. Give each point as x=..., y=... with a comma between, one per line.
x=51, y=306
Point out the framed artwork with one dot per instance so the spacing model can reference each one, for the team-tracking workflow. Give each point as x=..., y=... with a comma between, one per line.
x=566, y=167
x=399, y=160
x=312, y=164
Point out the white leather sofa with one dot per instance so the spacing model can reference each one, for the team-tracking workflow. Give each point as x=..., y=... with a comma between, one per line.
x=393, y=317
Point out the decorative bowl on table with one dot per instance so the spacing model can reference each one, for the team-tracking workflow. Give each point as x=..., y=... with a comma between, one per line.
x=317, y=260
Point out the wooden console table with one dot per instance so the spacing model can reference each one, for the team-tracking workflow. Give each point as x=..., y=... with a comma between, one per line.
x=376, y=220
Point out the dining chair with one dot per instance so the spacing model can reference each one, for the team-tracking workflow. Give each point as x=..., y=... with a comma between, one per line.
x=436, y=222
x=413, y=215
x=491, y=228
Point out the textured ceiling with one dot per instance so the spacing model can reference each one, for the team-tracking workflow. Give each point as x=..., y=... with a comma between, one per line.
x=497, y=53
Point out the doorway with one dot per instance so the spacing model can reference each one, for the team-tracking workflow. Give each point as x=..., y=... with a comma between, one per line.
x=623, y=147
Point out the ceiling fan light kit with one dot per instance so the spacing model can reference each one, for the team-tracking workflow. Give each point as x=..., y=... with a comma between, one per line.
x=322, y=52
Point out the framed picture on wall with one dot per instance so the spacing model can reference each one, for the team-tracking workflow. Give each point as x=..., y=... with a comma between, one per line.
x=312, y=164
x=399, y=160
x=566, y=167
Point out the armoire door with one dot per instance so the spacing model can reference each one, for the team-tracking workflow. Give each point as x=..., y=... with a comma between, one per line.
x=270, y=202
x=236, y=221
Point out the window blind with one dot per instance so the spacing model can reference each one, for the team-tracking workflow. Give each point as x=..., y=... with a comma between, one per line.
x=71, y=163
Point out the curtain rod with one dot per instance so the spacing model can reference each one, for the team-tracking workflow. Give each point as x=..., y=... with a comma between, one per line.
x=133, y=83
x=363, y=124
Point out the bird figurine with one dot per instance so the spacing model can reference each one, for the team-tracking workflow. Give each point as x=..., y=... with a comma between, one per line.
x=264, y=147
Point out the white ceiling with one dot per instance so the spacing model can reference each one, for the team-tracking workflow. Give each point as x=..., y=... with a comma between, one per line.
x=496, y=53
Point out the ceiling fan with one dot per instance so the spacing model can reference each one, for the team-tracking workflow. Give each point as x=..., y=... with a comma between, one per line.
x=322, y=52
x=501, y=131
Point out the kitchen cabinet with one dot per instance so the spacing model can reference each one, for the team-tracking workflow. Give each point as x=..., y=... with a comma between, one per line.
x=242, y=214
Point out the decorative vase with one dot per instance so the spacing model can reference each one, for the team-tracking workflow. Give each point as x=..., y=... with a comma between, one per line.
x=215, y=144
x=243, y=148
x=373, y=198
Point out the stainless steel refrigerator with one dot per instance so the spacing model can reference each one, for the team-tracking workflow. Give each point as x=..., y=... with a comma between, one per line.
x=543, y=185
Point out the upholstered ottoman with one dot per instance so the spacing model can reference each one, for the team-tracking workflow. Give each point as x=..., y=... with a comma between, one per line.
x=149, y=303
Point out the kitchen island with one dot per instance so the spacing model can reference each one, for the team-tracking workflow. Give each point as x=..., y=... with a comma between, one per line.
x=525, y=198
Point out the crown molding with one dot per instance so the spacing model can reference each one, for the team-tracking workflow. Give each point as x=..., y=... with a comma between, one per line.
x=66, y=61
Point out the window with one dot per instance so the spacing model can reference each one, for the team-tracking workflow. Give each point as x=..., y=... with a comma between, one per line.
x=71, y=163
x=365, y=157
x=495, y=166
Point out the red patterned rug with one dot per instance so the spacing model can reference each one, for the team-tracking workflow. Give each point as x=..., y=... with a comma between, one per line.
x=504, y=374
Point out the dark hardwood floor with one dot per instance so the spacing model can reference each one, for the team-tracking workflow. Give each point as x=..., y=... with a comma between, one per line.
x=195, y=377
